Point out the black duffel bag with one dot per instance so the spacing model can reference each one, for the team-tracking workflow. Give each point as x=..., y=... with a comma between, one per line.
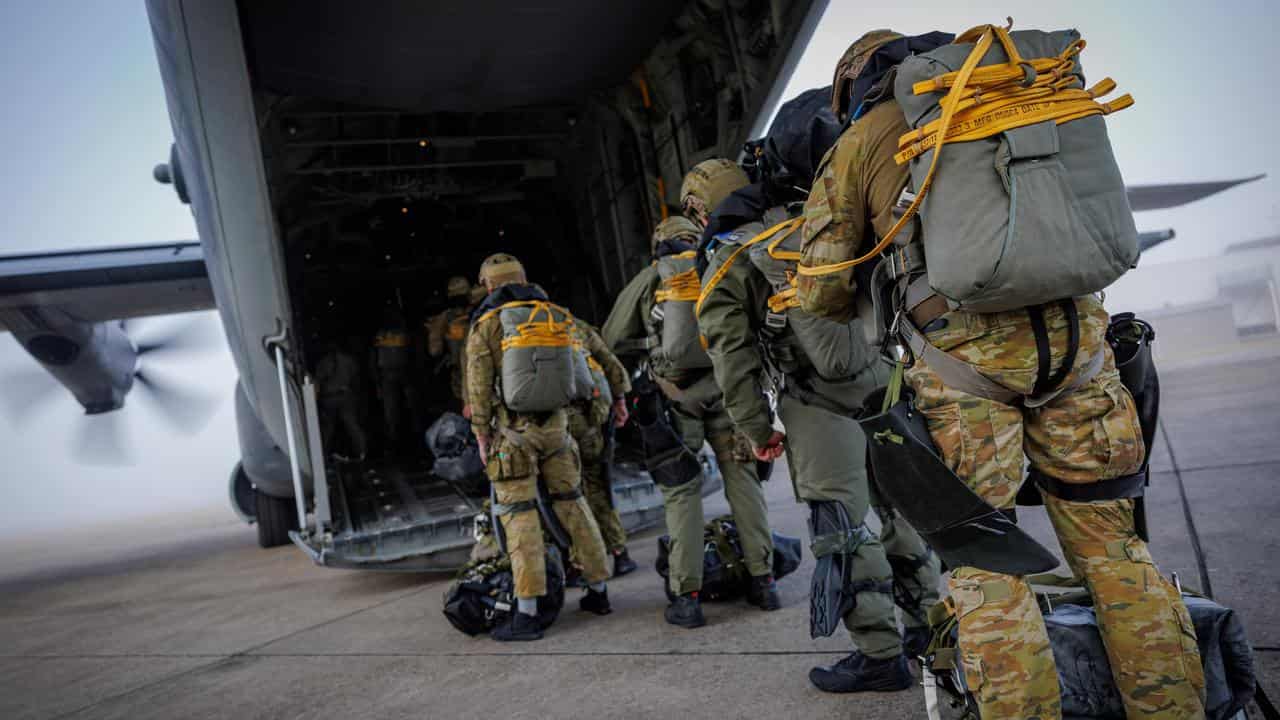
x=724, y=570
x=482, y=595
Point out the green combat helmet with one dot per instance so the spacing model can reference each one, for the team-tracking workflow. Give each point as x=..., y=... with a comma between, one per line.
x=673, y=228
x=851, y=65
x=457, y=286
x=707, y=185
x=502, y=269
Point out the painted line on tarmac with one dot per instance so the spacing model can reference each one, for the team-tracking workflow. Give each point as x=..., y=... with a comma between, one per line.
x=1205, y=586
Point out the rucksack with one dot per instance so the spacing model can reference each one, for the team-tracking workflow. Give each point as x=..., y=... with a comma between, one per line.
x=1026, y=204
x=456, y=453
x=677, y=345
x=724, y=569
x=542, y=363
x=835, y=350
x=482, y=597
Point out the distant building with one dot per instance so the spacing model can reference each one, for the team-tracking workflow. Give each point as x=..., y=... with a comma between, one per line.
x=1209, y=310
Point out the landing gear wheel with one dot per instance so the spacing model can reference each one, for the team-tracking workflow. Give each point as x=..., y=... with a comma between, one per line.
x=276, y=517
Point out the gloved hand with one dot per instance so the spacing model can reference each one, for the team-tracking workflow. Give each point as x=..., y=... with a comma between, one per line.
x=772, y=449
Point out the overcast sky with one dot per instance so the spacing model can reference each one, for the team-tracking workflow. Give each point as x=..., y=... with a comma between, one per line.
x=85, y=120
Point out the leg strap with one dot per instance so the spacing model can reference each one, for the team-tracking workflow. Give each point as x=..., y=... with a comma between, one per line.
x=567, y=495
x=1125, y=486
x=515, y=507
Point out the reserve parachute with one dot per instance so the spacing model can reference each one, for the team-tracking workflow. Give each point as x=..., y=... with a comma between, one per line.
x=1026, y=204
x=542, y=363
x=676, y=343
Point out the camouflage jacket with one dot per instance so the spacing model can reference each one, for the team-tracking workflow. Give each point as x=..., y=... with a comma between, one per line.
x=850, y=205
x=731, y=315
x=614, y=371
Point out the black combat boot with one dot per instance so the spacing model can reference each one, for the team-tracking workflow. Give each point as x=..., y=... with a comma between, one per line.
x=520, y=627
x=858, y=673
x=622, y=563
x=595, y=602
x=686, y=611
x=764, y=593
x=915, y=641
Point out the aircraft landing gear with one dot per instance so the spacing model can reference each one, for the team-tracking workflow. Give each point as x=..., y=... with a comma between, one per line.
x=276, y=517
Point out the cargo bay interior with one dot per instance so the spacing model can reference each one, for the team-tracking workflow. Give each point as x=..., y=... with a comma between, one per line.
x=399, y=154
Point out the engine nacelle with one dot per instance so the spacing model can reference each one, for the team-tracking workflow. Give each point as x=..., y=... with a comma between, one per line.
x=97, y=362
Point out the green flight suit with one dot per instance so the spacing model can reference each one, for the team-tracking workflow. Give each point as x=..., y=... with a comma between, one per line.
x=629, y=335
x=826, y=449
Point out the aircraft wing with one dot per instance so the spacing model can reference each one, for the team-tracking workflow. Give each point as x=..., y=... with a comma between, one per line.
x=1158, y=197
x=108, y=284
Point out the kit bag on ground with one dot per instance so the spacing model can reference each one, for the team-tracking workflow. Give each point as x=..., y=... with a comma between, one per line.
x=1084, y=674
x=1025, y=204
x=724, y=569
x=482, y=597
x=541, y=362
x=677, y=345
x=457, y=456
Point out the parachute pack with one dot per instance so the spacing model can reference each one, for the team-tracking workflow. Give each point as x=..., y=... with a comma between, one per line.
x=543, y=366
x=482, y=597
x=724, y=567
x=676, y=345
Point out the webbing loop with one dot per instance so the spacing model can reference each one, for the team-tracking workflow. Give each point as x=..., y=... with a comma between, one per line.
x=718, y=275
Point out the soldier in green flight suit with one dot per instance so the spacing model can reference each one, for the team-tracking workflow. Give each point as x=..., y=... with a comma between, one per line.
x=652, y=322
x=819, y=371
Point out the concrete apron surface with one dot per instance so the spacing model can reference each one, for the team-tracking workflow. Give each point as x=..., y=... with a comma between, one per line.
x=207, y=625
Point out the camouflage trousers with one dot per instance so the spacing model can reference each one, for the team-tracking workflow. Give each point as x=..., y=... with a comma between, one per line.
x=826, y=454
x=1085, y=434
x=590, y=439
x=523, y=452
x=683, y=503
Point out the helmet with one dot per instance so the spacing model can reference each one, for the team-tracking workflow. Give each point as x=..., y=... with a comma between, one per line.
x=458, y=286
x=851, y=65
x=707, y=185
x=676, y=226
x=502, y=269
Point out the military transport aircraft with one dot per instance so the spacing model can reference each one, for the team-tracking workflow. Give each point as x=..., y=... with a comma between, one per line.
x=341, y=157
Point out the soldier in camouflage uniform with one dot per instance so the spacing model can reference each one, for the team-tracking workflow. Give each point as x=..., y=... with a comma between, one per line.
x=518, y=449
x=1084, y=435
x=756, y=339
x=586, y=422
x=698, y=414
x=447, y=330
x=393, y=367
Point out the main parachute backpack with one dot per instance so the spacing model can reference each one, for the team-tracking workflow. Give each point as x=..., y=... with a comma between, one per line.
x=541, y=360
x=1012, y=174
x=677, y=345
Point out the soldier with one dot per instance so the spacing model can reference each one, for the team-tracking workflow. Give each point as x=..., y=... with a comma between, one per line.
x=338, y=381
x=393, y=368
x=819, y=372
x=587, y=419
x=447, y=330
x=1087, y=434
x=652, y=321
x=520, y=446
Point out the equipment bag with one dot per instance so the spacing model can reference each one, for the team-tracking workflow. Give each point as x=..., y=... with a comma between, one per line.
x=724, y=570
x=481, y=596
x=1084, y=673
x=836, y=351
x=541, y=360
x=677, y=344
x=1027, y=205
x=457, y=455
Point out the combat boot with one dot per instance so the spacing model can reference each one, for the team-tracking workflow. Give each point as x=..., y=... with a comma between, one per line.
x=764, y=593
x=622, y=563
x=595, y=602
x=685, y=611
x=915, y=641
x=859, y=673
x=520, y=627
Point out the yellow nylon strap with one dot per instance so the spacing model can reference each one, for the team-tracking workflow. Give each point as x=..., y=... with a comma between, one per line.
x=718, y=275
x=683, y=286
x=538, y=333
x=391, y=339
x=786, y=255
x=784, y=300
x=457, y=330
x=986, y=101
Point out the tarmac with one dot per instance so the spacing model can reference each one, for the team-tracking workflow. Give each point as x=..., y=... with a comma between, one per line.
x=204, y=624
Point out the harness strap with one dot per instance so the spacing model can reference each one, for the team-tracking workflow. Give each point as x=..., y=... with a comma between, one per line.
x=1045, y=382
x=955, y=373
x=515, y=507
x=1125, y=486
x=565, y=496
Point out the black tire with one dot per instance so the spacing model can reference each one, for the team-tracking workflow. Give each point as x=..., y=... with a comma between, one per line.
x=276, y=517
